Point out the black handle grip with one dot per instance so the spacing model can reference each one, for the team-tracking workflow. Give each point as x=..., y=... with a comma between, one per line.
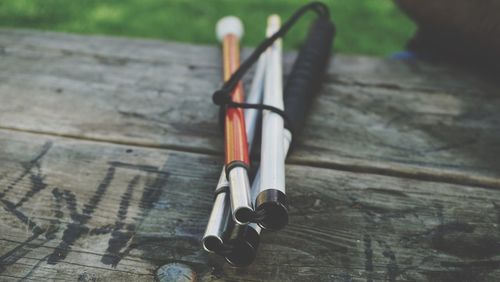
x=308, y=72
x=303, y=83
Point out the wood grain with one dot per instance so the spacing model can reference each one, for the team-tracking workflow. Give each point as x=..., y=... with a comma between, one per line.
x=110, y=151
x=382, y=116
x=74, y=209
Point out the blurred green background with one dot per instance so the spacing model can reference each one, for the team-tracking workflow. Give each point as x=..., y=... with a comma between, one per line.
x=374, y=27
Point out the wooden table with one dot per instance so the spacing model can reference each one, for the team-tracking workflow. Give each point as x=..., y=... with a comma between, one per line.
x=110, y=151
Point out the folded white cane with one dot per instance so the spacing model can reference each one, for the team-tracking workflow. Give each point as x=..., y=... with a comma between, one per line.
x=220, y=216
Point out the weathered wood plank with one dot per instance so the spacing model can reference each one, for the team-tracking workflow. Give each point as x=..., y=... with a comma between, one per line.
x=374, y=115
x=75, y=209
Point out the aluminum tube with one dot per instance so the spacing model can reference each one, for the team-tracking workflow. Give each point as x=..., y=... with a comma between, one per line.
x=272, y=158
x=241, y=203
x=287, y=140
x=255, y=97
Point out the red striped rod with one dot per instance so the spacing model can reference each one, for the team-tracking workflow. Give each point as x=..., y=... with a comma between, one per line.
x=229, y=31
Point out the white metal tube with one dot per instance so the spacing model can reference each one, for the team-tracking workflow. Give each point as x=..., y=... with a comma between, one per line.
x=240, y=199
x=219, y=217
x=255, y=97
x=272, y=159
x=287, y=140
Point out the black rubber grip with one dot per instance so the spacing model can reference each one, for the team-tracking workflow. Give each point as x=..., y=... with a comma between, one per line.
x=308, y=72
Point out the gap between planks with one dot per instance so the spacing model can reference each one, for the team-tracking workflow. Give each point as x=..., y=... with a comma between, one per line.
x=450, y=178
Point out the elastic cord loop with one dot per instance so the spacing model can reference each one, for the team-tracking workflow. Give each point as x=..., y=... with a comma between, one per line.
x=222, y=96
x=263, y=107
x=223, y=189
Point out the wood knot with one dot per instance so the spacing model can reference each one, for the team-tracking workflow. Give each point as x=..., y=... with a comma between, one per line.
x=87, y=277
x=175, y=272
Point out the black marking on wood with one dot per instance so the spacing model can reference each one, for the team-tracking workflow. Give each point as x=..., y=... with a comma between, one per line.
x=116, y=243
x=27, y=246
x=28, y=167
x=125, y=202
x=78, y=227
x=11, y=208
x=392, y=268
x=151, y=193
x=101, y=230
x=461, y=240
x=58, y=214
x=72, y=233
x=119, y=238
x=17, y=252
x=23, y=248
x=35, y=267
x=37, y=185
x=368, y=257
x=99, y=193
x=71, y=204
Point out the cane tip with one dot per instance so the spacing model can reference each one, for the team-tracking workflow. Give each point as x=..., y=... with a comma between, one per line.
x=273, y=24
x=229, y=25
x=274, y=20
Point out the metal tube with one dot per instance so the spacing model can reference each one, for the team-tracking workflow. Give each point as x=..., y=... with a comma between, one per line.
x=241, y=203
x=229, y=30
x=255, y=97
x=272, y=177
x=273, y=170
x=287, y=140
x=238, y=176
x=246, y=238
x=219, y=217
x=271, y=204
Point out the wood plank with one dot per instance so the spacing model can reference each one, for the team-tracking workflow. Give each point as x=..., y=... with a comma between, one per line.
x=374, y=115
x=74, y=209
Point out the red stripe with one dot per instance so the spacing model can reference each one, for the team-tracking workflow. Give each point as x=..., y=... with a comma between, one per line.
x=236, y=144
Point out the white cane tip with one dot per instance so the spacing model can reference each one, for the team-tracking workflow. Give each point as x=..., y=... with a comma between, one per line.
x=273, y=24
x=229, y=25
x=274, y=20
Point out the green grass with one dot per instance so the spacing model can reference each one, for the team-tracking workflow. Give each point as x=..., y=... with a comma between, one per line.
x=374, y=27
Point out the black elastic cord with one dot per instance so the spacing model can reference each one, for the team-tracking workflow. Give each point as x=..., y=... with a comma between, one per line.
x=260, y=107
x=223, y=189
x=222, y=97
